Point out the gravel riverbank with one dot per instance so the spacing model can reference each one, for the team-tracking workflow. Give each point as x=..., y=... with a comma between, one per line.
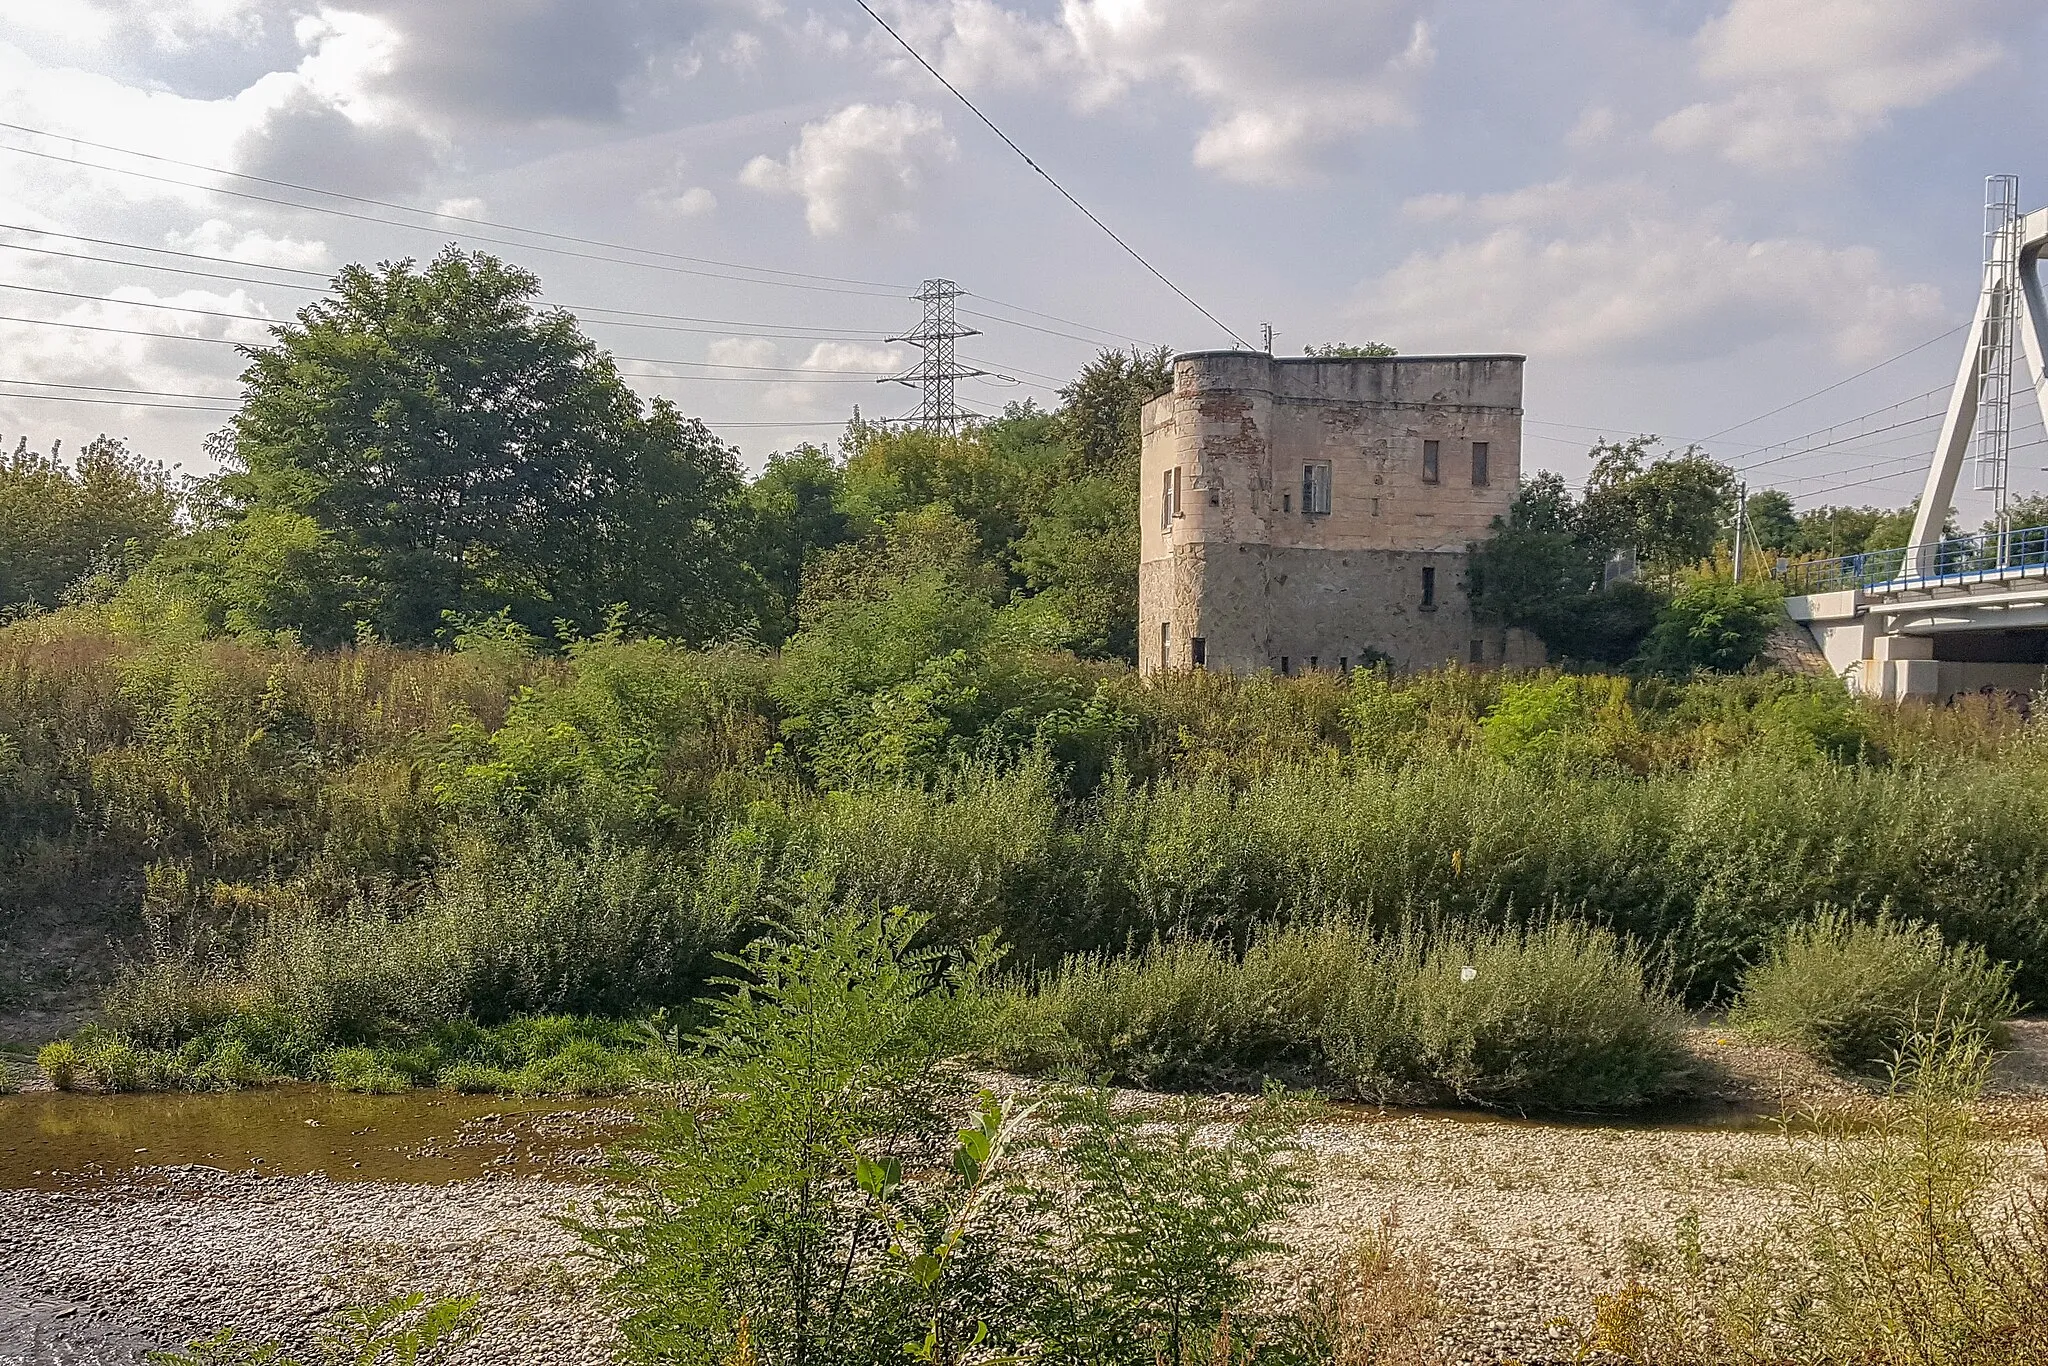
x=1523, y=1223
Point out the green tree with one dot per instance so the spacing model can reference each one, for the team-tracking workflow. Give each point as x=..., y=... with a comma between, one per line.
x=106, y=513
x=1347, y=351
x=1671, y=511
x=796, y=516
x=1714, y=624
x=467, y=452
x=1099, y=412
x=2029, y=510
x=1541, y=571
x=1772, y=523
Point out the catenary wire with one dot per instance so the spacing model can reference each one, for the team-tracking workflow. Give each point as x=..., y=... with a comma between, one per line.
x=428, y=213
x=427, y=228
x=1044, y=175
x=791, y=331
x=1911, y=350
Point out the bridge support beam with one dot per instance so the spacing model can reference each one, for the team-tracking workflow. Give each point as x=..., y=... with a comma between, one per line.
x=1938, y=494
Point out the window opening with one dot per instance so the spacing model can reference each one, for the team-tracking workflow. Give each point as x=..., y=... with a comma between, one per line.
x=1344, y=665
x=1166, y=501
x=1478, y=652
x=1431, y=455
x=1314, y=662
x=1287, y=502
x=1286, y=667
x=1480, y=453
x=1429, y=587
x=1165, y=644
x=1315, y=489
x=1201, y=647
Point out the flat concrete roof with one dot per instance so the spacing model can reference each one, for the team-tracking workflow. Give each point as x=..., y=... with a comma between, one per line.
x=1340, y=360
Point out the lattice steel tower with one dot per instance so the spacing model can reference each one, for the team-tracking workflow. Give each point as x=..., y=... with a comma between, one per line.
x=940, y=368
x=2001, y=309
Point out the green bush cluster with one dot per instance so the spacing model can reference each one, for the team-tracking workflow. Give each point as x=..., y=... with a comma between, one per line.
x=349, y=849
x=1854, y=994
x=1556, y=1017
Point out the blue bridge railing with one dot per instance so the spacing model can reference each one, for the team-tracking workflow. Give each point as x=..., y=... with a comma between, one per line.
x=1955, y=559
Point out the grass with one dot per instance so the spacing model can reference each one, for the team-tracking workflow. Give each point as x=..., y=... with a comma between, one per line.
x=1853, y=994
x=1557, y=1017
x=544, y=1055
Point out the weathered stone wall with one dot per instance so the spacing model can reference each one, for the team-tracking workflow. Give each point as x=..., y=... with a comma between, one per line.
x=1244, y=567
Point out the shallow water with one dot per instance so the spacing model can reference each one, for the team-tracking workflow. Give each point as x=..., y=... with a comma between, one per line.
x=60, y=1141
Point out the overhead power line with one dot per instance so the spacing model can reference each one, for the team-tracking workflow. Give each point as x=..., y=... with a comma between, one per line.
x=791, y=331
x=424, y=227
x=1108, y=231
x=1070, y=322
x=424, y=213
x=725, y=330
x=1888, y=360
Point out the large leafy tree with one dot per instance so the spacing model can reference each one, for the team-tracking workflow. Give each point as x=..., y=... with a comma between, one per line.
x=1670, y=511
x=463, y=451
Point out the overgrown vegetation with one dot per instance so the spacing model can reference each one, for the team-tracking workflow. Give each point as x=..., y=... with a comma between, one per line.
x=405, y=1330
x=1854, y=994
x=351, y=849
x=1557, y=1017
x=1901, y=1251
x=802, y=1203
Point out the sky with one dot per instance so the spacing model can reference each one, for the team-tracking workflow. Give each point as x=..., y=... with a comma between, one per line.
x=1702, y=219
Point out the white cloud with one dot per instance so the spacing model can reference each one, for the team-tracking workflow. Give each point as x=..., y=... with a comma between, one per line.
x=743, y=351
x=1800, y=79
x=1616, y=272
x=694, y=202
x=218, y=237
x=855, y=356
x=1286, y=85
x=859, y=169
x=166, y=25
x=673, y=196
x=1596, y=124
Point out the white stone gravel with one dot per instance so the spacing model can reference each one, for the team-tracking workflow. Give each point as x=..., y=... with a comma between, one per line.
x=1522, y=1222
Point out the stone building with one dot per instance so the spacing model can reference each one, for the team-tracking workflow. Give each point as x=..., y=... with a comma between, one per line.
x=1304, y=513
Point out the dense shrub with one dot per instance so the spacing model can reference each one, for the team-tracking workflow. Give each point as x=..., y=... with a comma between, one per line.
x=1559, y=1018
x=1562, y=1017
x=307, y=851
x=1854, y=993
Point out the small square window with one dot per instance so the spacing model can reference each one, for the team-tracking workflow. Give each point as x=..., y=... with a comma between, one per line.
x=1429, y=587
x=1432, y=454
x=1480, y=454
